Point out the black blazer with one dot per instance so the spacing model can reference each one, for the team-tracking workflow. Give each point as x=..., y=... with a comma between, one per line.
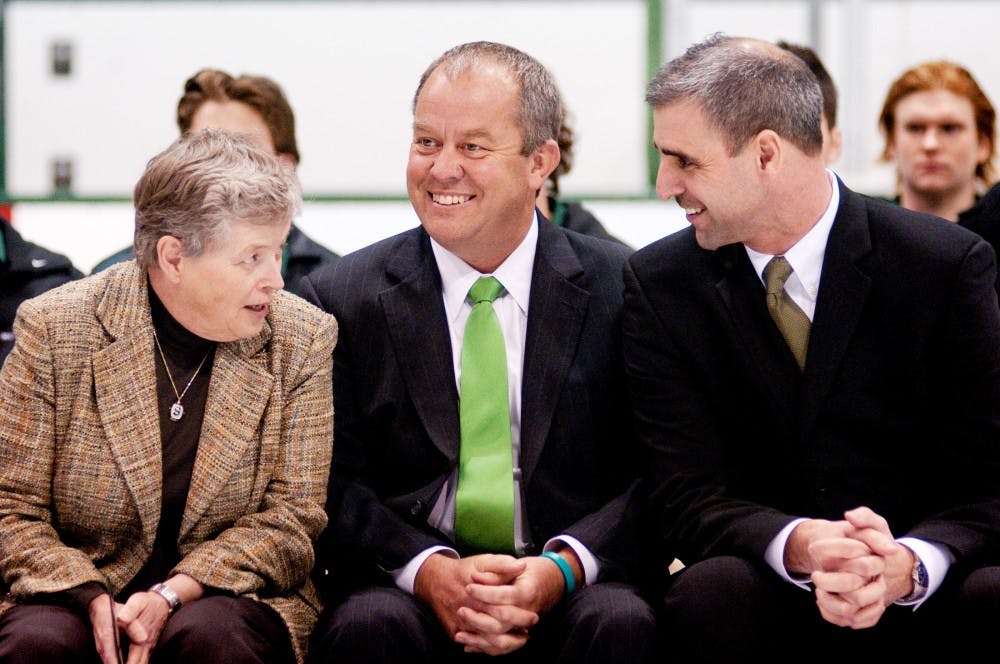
x=898, y=407
x=396, y=403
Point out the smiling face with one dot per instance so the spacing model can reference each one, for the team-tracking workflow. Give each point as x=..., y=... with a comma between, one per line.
x=936, y=145
x=224, y=293
x=720, y=194
x=466, y=177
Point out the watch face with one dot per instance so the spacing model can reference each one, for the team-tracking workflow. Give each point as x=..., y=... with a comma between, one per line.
x=920, y=575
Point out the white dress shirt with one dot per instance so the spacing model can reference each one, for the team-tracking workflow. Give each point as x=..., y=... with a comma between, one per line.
x=511, y=308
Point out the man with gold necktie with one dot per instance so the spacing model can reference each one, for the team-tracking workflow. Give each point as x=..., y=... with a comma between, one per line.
x=816, y=378
x=482, y=493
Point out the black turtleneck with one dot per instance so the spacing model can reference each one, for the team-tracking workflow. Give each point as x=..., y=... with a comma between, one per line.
x=183, y=352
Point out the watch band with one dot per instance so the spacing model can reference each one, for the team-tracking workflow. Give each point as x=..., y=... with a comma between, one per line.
x=168, y=594
x=920, y=581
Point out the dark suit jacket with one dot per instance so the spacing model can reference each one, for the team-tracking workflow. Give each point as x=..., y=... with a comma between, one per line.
x=396, y=403
x=898, y=407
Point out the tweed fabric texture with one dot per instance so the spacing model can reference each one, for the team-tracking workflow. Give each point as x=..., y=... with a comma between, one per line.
x=80, y=457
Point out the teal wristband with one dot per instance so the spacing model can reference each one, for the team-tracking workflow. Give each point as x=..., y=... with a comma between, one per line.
x=564, y=568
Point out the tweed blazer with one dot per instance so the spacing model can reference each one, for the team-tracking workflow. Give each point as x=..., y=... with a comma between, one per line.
x=80, y=455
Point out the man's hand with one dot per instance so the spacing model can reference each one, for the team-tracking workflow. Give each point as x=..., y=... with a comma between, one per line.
x=857, y=567
x=514, y=608
x=443, y=582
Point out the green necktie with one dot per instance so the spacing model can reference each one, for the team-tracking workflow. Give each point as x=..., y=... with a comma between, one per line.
x=484, y=501
x=790, y=319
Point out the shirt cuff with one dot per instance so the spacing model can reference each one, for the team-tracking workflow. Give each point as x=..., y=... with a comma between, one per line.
x=406, y=576
x=937, y=558
x=591, y=566
x=774, y=555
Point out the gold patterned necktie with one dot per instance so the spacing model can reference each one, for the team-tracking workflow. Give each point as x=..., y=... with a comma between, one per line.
x=790, y=319
x=484, y=499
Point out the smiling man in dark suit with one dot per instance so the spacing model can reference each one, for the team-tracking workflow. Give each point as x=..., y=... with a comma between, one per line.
x=816, y=377
x=437, y=545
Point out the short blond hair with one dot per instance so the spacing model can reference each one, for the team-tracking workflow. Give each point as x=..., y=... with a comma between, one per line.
x=192, y=190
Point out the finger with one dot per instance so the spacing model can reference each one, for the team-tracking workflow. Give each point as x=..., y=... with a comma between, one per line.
x=829, y=554
x=139, y=654
x=104, y=636
x=880, y=542
x=866, y=567
x=505, y=594
x=505, y=567
x=499, y=619
x=868, y=616
x=137, y=632
x=863, y=517
x=838, y=582
x=834, y=609
x=868, y=594
x=499, y=644
x=479, y=622
x=491, y=578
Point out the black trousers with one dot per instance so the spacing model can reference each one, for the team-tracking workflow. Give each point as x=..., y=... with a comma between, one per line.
x=727, y=609
x=601, y=623
x=214, y=629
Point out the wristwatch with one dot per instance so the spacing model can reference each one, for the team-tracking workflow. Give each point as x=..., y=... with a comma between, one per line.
x=168, y=594
x=920, y=581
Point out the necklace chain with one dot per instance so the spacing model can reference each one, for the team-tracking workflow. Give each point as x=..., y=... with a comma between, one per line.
x=177, y=410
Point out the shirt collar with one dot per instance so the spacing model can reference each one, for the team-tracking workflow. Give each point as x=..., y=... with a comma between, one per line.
x=806, y=255
x=514, y=273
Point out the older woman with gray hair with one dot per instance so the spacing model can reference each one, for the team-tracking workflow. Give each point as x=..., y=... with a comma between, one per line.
x=165, y=440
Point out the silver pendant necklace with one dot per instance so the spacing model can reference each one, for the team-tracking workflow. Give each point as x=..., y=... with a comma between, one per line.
x=177, y=410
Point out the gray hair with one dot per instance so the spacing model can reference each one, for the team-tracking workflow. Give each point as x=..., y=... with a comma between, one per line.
x=192, y=189
x=541, y=113
x=745, y=87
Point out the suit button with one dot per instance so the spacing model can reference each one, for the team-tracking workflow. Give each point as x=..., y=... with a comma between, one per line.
x=529, y=549
x=820, y=486
x=417, y=506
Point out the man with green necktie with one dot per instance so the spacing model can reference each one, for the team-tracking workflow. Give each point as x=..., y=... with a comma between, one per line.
x=483, y=487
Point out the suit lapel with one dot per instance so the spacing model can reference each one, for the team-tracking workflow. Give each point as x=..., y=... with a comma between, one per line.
x=843, y=290
x=125, y=392
x=742, y=294
x=414, y=313
x=238, y=394
x=555, y=320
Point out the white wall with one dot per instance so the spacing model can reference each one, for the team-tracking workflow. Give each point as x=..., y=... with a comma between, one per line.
x=350, y=68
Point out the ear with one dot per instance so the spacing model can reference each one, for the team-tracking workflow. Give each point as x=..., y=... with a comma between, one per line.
x=287, y=160
x=834, y=148
x=767, y=150
x=543, y=161
x=983, y=153
x=169, y=256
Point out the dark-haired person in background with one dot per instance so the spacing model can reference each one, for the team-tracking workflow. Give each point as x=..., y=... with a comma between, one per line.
x=568, y=214
x=833, y=138
x=257, y=107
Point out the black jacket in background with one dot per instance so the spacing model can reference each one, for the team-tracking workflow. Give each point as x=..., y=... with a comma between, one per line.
x=28, y=270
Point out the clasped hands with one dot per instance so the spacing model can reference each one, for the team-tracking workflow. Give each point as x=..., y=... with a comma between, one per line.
x=856, y=566
x=489, y=602
x=142, y=618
